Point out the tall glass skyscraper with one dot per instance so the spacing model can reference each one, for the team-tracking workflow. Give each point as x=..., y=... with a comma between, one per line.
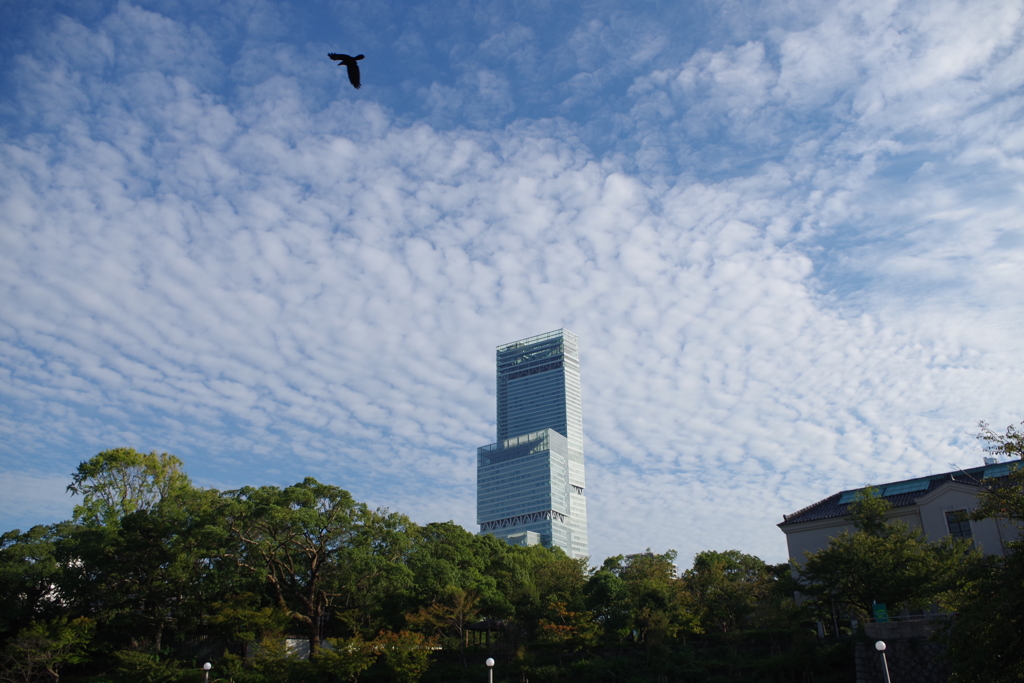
x=530, y=483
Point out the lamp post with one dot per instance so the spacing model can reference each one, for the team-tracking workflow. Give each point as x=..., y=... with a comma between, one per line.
x=880, y=646
x=490, y=670
x=206, y=672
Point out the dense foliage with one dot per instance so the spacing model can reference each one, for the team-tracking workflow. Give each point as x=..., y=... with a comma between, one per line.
x=154, y=576
x=987, y=639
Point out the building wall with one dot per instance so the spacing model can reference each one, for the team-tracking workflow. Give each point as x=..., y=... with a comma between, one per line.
x=538, y=387
x=525, y=484
x=989, y=535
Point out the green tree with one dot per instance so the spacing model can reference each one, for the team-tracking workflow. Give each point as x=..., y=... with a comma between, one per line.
x=729, y=587
x=406, y=655
x=531, y=577
x=243, y=617
x=345, y=659
x=567, y=629
x=777, y=608
x=886, y=562
x=29, y=576
x=868, y=512
x=320, y=552
x=40, y=651
x=1003, y=497
x=147, y=571
x=658, y=604
x=444, y=557
x=561, y=578
x=986, y=640
x=450, y=616
x=121, y=481
x=140, y=560
x=606, y=598
x=135, y=666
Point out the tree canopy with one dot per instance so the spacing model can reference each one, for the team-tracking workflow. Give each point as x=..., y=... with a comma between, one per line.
x=121, y=481
x=1003, y=497
x=154, y=574
x=322, y=553
x=986, y=641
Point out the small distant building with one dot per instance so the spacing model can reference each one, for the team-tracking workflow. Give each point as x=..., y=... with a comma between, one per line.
x=523, y=538
x=934, y=503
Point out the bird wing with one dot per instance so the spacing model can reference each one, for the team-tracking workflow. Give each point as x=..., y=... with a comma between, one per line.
x=338, y=58
x=353, y=74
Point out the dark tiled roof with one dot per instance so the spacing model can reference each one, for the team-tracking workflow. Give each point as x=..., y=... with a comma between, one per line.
x=831, y=507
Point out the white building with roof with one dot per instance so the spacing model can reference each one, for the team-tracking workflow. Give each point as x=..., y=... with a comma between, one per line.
x=935, y=503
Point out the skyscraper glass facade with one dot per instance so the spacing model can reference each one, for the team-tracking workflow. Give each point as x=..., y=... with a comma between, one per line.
x=530, y=483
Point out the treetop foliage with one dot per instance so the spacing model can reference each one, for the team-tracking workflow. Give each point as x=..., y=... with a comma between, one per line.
x=868, y=512
x=121, y=481
x=1003, y=497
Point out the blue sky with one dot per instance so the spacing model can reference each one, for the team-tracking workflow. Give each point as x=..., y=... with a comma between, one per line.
x=788, y=235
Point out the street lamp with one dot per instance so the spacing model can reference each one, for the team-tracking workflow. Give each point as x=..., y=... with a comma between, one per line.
x=206, y=672
x=880, y=646
x=490, y=670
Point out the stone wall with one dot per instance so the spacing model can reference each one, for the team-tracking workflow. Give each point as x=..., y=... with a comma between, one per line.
x=911, y=660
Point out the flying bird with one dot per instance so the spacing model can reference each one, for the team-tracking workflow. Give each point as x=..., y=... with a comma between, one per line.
x=350, y=64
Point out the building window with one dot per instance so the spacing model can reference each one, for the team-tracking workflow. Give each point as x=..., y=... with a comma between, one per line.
x=958, y=525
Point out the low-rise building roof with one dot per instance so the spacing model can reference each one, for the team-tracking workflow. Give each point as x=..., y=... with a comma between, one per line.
x=899, y=493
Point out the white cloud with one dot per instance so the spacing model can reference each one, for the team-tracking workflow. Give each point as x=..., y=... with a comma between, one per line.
x=274, y=286
x=34, y=495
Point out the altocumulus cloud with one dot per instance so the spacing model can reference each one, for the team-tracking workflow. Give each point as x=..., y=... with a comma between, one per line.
x=796, y=271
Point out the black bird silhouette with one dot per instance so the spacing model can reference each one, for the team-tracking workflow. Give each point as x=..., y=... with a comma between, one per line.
x=350, y=64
